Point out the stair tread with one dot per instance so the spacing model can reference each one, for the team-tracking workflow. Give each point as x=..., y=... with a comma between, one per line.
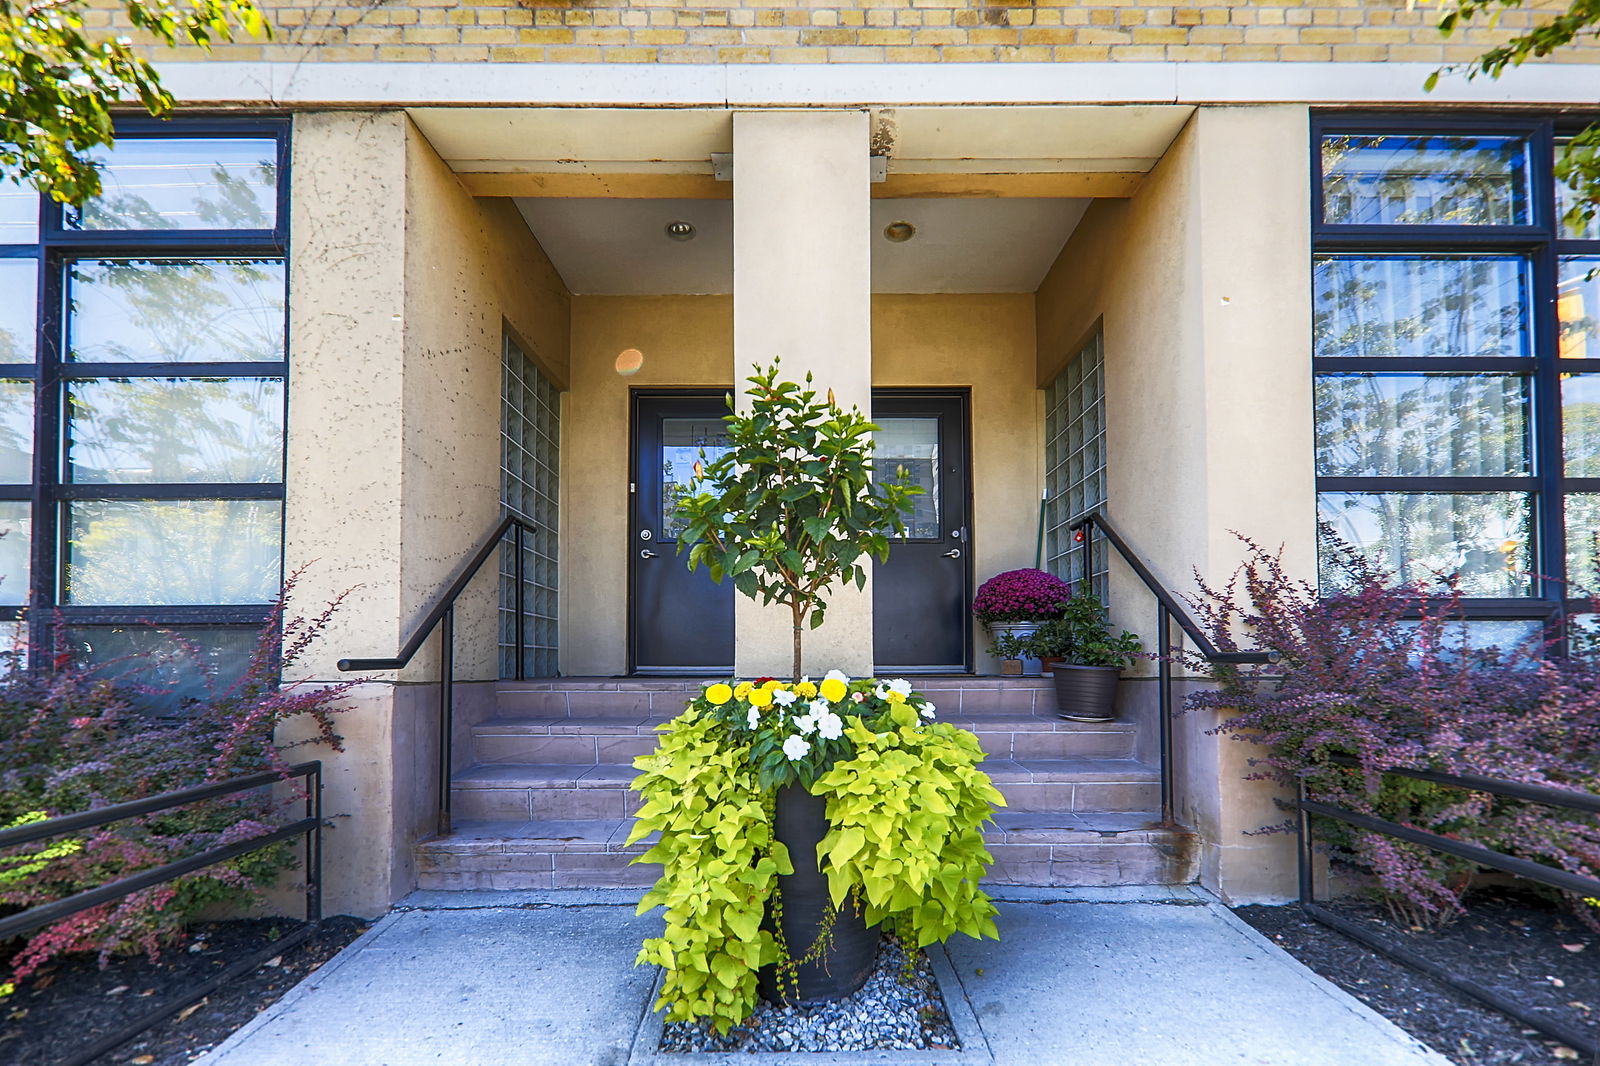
x=544, y=775
x=1105, y=768
x=559, y=724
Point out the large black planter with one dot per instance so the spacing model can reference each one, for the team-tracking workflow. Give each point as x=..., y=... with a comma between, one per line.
x=1086, y=693
x=800, y=822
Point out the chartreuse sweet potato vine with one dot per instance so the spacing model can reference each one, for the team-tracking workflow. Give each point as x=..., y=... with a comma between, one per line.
x=905, y=799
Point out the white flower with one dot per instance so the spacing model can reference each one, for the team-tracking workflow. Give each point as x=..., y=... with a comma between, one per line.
x=927, y=710
x=882, y=692
x=900, y=685
x=806, y=723
x=796, y=748
x=830, y=726
x=837, y=675
x=819, y=707
x=783, y=697
x=753, y=718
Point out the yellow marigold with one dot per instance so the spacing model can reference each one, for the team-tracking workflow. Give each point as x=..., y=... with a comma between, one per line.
x=742, y=690
x=772, y=684
x=761, y=697
x=894, y=697
x=833, y=690
x=719, y=694
x=807, y=689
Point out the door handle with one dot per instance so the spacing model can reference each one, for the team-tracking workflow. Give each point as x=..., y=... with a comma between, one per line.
x=953, y=553
x=646, y=553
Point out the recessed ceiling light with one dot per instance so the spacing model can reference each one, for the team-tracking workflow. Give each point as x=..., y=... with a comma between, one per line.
x=899, y=232
x=679, y=230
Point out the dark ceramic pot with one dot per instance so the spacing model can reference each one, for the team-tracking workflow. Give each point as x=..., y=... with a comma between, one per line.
x=800, y=822
x=1086, y=693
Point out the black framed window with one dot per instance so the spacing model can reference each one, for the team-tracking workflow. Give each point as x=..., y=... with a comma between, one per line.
x=143, y=387
x=1456, y=351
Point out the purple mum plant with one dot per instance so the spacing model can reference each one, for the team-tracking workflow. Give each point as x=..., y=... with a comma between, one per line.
x=1025, y=595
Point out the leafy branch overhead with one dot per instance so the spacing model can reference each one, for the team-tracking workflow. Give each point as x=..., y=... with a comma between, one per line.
x=1578, y=162
x=791, y=508
x=59, y=82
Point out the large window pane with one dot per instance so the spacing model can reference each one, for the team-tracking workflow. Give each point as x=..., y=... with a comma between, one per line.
x=1578, y=306
x=175, y=430
x=1370, y=179
x=167, y=668
x=1417, y=306
x=19, y=213
x=1566, y=197
x=16, y=543
x=1415, y=425
x=173, y=551
x=19, y=302
x=184, y=183
x=1580, y=422
x=176, y=311
x=1483, y=538
x=1583, y=544
x=16, y=432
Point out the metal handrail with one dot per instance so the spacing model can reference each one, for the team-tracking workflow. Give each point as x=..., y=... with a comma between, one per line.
x=1547, y=795
x=442, y=615
x=1168, y=608
x=45, y=914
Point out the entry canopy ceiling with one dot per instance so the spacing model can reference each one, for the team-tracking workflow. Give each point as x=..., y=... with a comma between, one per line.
x=621, y=247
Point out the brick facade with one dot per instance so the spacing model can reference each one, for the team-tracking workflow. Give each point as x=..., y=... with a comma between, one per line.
x=867, y=31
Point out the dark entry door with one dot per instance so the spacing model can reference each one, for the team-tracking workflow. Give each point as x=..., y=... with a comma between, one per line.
x=921, y=596
x=679, y=622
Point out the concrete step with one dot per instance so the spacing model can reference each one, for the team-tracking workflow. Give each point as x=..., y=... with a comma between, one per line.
x=1038, y=848
x=552, y=738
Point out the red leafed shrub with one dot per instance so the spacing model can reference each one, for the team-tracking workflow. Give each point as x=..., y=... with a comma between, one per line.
x=1385, y=673
x=73, y=739
x=1021, y=596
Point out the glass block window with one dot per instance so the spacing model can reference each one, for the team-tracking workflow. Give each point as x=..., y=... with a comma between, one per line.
x=1075, y=463
x=1456, y=357
x=530, y=462
x=143, y=383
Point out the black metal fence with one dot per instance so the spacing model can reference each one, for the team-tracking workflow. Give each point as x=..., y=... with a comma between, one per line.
x=1539, y=873
x=46, y=914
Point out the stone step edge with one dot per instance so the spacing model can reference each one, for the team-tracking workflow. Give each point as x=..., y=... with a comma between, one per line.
x=999, y=722
x=618, y=775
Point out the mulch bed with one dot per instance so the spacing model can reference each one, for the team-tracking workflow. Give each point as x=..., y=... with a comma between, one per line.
x=72, y=1001
x=1516, y=944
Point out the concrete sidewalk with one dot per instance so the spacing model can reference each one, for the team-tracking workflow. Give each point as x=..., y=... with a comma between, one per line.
x=1107, y=977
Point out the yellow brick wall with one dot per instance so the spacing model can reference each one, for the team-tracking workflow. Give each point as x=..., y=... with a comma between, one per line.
x=866, y=31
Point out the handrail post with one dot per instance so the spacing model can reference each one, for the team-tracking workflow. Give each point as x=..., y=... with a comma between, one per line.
x=521, y=606
x=1303, y=844
x=314, y=846
x=447, y=655
x=1164, y=707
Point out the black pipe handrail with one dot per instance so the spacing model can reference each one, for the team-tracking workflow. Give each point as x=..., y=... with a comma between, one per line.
x=1539, y=873
x=442, y=615
x=45, y=914
x=446, y=599
x=1098, y=519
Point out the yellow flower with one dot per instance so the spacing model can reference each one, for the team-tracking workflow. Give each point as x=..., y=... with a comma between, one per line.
x=894, y=697
x=719, y=694
x=833, y=690
x=761, y=697
x=771, y=684
x=742, y=690
x=807, y=689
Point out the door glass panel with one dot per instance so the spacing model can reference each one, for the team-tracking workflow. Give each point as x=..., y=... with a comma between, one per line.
x=184, y=183
x=176, y=311
x=1578, y=306
x=685, y=441
x=19, y=300
x=1414, y=425
x=912, y=445
x=136, y=552
x=1583, y=544
x=1417, y=306
x=1377, y=180
x=175, y=430
x=1481, y=537
x=16, y=432
x=1580, y=424
x=16, y=542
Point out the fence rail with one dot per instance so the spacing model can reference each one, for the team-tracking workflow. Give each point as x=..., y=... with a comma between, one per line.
x=1546, y=795
x=310, y=826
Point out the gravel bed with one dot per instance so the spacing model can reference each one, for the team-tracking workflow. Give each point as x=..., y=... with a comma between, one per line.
x=888, y=1012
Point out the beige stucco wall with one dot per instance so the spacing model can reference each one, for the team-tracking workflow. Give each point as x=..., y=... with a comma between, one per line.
x=399, y=282
x=1201, y=282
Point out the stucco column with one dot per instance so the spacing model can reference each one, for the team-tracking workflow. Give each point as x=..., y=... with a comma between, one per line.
x=802, y=292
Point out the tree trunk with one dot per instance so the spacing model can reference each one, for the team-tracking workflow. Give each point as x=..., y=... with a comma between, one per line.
x=799, y=621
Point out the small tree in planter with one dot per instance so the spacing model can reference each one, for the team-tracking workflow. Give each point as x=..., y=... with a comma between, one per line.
x=882, y=806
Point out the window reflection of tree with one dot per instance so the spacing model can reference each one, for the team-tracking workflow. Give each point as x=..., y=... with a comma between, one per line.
x=1419, y=306
x=1577, y=301
x=173, y=551
x=175, y=430
x=231, y=196
x=1481, y=538
x=177, y=310
x=1392, y=425
x=1461, y=181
